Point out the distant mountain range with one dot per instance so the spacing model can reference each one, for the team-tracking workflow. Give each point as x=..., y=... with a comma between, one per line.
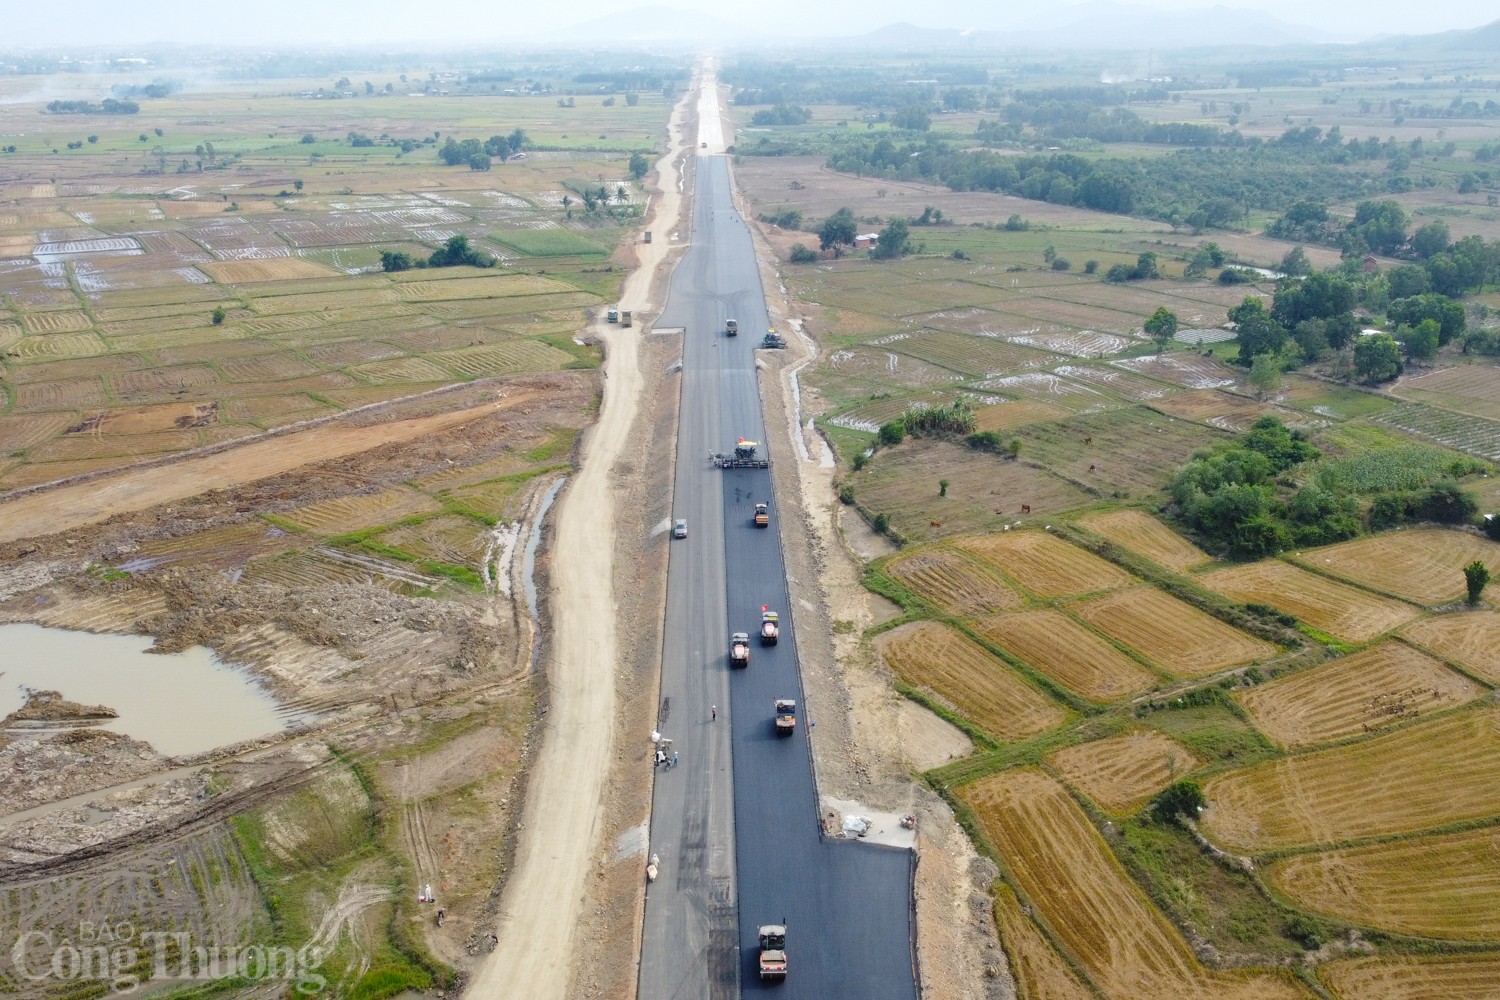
x=1097, y=24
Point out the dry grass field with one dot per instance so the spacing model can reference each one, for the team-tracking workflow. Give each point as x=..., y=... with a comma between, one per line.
x=1424, y=565
x=1364, y=692
x=1174, y=635
x=1444, y=887
x=1468, y=388
x=1223, y=410
x=980, y=687
x=1123, y=771
x=1340, y=610
x=1045, y=565
x=1079, y=660
x=1077, y=888
x=1469, y=638
x=1039, y=969
x=1139, y=532
x=953, y=581
x=1400, y=977
x=1444, y=770
x=1016, y=413
x=984, y=492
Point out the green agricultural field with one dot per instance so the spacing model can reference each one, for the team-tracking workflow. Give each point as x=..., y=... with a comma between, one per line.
x=548, y=243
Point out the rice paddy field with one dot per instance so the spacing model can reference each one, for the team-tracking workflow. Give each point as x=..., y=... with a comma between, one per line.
x=114, y=269
x=1123, y=771
x=1423, y=565
x=1433, y=772
x=1061, y=865
x=1339, y=609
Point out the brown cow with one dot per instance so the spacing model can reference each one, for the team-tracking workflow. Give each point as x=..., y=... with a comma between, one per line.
x=1026, y=508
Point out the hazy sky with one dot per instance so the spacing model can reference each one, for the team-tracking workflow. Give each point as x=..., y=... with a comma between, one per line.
x=321, y=22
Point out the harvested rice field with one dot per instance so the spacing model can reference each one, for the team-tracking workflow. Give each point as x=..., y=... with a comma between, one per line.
x=1046, y=566
x=1053, y=644
x=1342, y=611
x=953, y=581
x=1122, y=772
x=1365, y=692
x=1435, y=772
x=1469, y=638
x=1176, y=636
x=1400, y=977
x=1140, y=533
x=1424, y=565
x=961, y=674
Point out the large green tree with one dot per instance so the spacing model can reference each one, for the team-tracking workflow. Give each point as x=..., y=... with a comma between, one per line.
x=1377, y=358
x=1162, y=327
x=837, y=230
x=894, y=241
x=1258, y=332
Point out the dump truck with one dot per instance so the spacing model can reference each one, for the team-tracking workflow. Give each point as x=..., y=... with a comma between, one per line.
x=739, y=649
x=648, y=236
x=731, y=328
x=786, y=716
x=762, y=515
x=772, y=339
x=770, y=627
x=744, y=456
x=624, y=317
x=772, y=951
x=613, y=315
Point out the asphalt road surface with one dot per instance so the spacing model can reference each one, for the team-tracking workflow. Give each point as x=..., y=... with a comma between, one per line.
x=736, y=824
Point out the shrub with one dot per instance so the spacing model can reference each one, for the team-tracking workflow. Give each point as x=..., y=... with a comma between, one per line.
x=882, y=523
x=1184, y=798
x=1061, y=264
x=1090, y=266
x=802, y=255
x=846, y=495
x=892, y=433
x=218, y=315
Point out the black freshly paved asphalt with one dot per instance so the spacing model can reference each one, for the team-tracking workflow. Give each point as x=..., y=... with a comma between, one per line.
x=847, y=905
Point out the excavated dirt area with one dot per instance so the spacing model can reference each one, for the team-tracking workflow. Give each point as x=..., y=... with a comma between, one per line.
x=373, y=666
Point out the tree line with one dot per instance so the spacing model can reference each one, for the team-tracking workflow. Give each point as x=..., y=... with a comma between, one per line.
x=108, y=106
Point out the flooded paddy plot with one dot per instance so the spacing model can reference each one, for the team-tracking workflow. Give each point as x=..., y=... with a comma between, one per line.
x=1192, y=371
x=1050, y=387
x=977, y=356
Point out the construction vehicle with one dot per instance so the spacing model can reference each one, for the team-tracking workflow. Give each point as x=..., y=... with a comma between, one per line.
x=762, y=515
x=739, y=649
x=648, y=236
x=770, y=627
x=624, y=317
x=772, y=951
x=731, y=328
x=772, y=339
x=613, y=315
x=743, y=457
x=786, y=716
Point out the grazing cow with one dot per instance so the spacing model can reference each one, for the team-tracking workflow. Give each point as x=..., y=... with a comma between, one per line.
x=937, y=524
x=1091, y=468
x=1026, y=508
x=1088, y=440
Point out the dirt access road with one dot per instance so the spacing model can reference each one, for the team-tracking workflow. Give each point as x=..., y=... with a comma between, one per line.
x=66, y=507
x=564, y=815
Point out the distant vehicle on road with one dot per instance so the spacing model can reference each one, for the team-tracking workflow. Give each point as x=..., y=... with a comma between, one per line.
x=731, y=328
x=772, y=951
x=762, y=515
x=613, y=315
x=772, y=339
x=679, y=528
x=786, y=716
x=625, y=317
x=739, y=649
x=770, y=627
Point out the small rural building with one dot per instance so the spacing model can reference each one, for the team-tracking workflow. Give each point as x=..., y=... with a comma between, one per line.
x=1370, y=263
x=866, y=240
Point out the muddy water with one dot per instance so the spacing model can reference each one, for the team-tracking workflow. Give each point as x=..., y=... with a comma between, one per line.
x=183, y=703
x=528, y=564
